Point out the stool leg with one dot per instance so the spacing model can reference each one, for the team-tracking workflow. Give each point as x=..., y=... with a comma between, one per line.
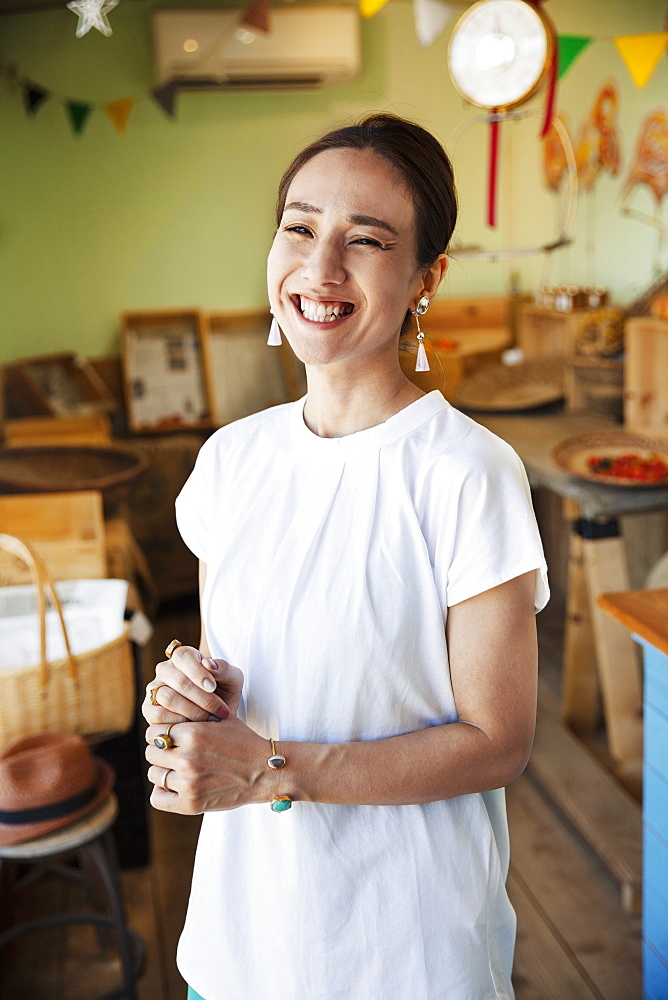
x=105, y=862
x=96, y=897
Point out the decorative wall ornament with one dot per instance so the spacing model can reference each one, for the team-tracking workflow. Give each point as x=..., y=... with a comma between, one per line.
x=92, y=14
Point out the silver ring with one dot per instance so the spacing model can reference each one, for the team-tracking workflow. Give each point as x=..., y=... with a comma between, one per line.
x=163, y=781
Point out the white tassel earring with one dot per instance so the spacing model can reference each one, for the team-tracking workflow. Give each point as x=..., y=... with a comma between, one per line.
x=274, y=339
x=421, y=364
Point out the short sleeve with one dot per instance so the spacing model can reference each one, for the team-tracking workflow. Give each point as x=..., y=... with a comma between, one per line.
x=194, y=502
x=496, y=536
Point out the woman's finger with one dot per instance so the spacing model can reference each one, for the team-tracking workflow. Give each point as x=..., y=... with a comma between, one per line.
x=160, y=729
x=163, y=778
x=174, y=691
x=200, y=669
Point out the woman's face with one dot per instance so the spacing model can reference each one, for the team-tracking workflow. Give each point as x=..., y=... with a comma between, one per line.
x=342, y=269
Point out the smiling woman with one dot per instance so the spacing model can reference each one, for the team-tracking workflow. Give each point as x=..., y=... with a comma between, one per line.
x=370, y=568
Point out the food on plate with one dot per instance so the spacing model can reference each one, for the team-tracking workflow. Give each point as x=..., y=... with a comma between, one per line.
x=644, y=469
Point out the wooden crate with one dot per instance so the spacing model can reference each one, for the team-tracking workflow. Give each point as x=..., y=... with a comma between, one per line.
x=546, y=332
x=246, y=375
x=56, y=385
x=67, y=530
x=646, y=375
x=165, y=372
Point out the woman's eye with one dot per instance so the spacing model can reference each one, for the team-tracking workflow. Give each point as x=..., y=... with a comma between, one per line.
x=368, y=241
x=300, y=230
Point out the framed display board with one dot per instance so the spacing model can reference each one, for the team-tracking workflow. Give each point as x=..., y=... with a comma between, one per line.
x=246, y=374
x=165, y=373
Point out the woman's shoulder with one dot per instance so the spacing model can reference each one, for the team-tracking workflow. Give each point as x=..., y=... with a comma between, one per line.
x=455, y=441
x=264, y=427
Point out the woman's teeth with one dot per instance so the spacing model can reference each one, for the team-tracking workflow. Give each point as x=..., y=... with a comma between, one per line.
x=323, y=312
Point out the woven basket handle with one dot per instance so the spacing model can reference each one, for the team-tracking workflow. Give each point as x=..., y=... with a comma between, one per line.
x=43, y=582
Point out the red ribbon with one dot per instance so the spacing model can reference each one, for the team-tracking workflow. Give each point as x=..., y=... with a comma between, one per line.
x=493, y=168
x=551, y=95
x=550, y=101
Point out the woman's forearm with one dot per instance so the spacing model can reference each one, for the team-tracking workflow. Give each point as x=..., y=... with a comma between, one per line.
x=426, y=766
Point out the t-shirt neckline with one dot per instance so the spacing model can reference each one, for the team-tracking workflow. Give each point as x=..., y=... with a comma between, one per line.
x=395, y=427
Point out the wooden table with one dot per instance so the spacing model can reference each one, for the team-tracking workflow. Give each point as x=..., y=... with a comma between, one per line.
x=645, y=613
x=597, y=651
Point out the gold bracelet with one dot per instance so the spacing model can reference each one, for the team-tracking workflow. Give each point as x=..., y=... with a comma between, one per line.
x=277, y=760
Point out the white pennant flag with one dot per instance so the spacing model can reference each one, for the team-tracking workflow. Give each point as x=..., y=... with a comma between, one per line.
x=431, y=17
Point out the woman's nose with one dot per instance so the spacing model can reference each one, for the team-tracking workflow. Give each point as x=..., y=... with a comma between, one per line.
x=324, y=264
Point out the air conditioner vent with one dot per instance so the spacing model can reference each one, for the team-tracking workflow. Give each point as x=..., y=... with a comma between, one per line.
x=307, y=47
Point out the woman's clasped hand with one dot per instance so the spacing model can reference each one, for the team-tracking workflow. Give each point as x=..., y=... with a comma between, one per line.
x=206, y=767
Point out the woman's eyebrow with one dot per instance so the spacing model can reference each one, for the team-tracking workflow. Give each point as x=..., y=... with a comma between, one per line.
x=303, y=206
x=370, y=220
x=358, y=220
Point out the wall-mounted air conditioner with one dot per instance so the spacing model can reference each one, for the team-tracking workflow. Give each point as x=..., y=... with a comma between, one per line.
x=306, y=47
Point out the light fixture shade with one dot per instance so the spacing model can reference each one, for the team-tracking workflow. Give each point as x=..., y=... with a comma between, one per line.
x=256, y=16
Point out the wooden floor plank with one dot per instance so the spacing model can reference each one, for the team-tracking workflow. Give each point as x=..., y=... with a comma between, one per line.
x=543, y=970
x=574, y=895
x=593, y=800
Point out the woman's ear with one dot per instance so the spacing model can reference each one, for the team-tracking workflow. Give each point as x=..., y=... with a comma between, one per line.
x=434, y=275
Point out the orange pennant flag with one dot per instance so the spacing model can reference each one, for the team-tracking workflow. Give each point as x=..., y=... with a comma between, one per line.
x=641, y=54
x=119, y=112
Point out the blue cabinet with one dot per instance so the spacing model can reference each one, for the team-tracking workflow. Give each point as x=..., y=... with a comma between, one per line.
x=655, y=824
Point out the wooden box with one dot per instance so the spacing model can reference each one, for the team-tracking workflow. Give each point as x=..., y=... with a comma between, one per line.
x=67, y=530
x=56, y=385
x=165, y=372
x=646, y=375
x=246, y=375
x=547, y=332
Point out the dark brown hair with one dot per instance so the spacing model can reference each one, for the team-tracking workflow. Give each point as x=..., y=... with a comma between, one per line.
x=421, y=161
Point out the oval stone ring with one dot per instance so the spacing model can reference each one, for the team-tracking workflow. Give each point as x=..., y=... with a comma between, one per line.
x=164, y=741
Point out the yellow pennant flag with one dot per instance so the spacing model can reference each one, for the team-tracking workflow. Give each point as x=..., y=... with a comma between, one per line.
x=119, y=112
x=370, y=7
x=642, y=53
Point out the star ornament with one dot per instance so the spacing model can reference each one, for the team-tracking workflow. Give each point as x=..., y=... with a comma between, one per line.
x=92, y=14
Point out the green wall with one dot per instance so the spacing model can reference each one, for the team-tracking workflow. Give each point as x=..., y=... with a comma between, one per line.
x=179, y=212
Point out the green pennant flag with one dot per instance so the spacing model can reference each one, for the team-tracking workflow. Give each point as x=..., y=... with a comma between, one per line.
x=570, y=47
x=78, y=112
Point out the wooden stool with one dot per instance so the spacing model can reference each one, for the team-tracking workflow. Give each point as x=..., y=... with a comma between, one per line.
x=90, y=839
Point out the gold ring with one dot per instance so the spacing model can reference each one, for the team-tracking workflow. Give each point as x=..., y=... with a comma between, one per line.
x=174, y=644
x=164, y=741
x=154, y=691
x=163, y=781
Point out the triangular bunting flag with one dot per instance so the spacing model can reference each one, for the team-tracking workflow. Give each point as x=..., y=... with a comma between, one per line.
x=641, y=54
x=256, y=16
x=431, y=18
x=78, y=112
x=570, y=47
x=165, y=96
x=33, y=97
x=119, y=112
x=370, y=7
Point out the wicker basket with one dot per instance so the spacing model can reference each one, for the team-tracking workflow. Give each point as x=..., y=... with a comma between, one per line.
x=595, y=385
x=91, y=694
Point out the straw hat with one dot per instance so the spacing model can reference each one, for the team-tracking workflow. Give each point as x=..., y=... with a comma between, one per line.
x=47, y=781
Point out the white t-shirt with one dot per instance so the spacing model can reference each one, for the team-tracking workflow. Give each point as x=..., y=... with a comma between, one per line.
x=331, y=563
